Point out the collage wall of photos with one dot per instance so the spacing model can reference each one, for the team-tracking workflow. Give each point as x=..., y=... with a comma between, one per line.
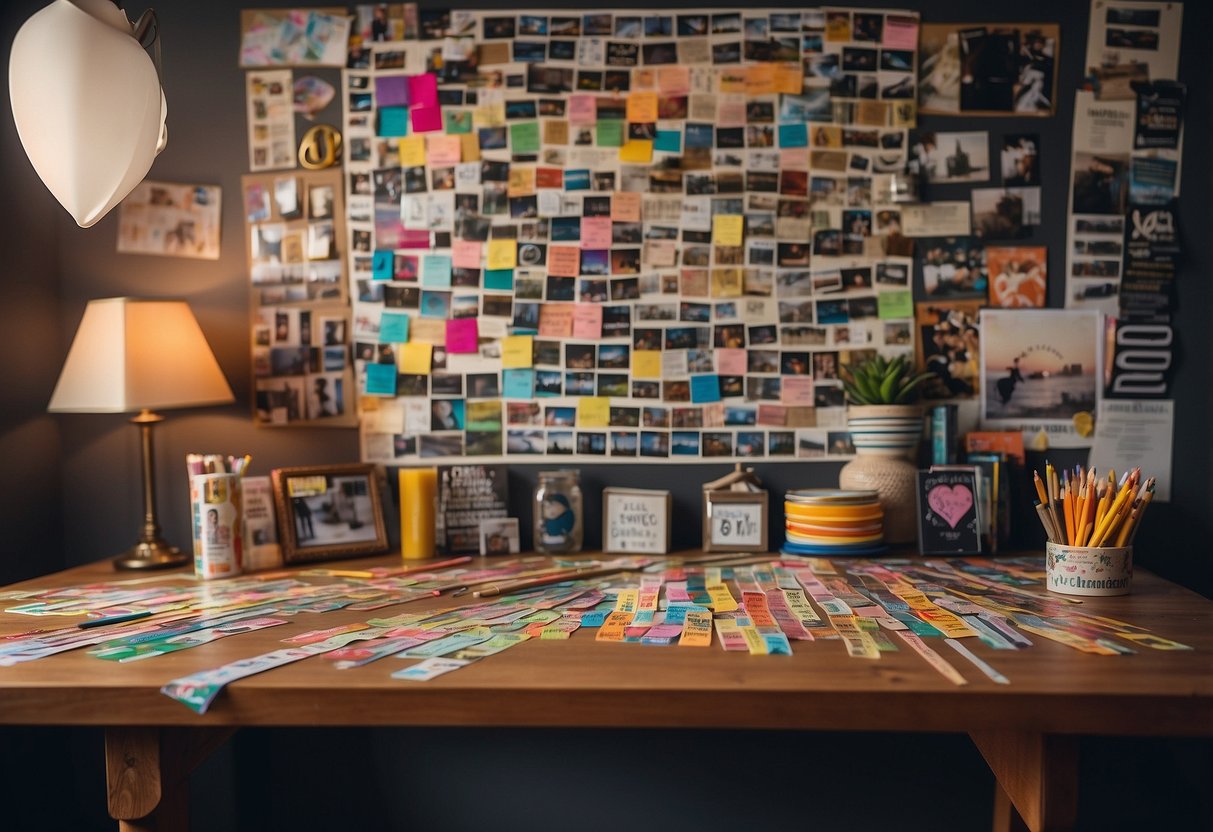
x=300, y=310
x=618, y=235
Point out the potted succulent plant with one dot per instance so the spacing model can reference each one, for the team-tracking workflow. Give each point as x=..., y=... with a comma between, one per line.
x=886, y=424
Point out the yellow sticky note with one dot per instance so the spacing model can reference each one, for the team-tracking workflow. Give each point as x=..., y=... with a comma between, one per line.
x=517, y=351
x=503, y=254
x=637, y=150
x=593, y=412
x=470, y=149
x=415, y=358
x=760, y=79
x=727, y=229
x=789, y=78
x=646, y=364
x=642, y=107
x=412, y=151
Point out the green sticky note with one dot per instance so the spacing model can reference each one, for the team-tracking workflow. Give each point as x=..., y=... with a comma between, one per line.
x=393, y=328
x=610, y=134
x=898, y=304
x=524, y=137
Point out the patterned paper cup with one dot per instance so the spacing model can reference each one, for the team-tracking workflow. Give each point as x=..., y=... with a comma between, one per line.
x=1082, y=570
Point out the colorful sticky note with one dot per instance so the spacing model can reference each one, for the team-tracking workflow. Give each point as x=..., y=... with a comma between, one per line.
x=381, y=379
x=462, y=335
x=895, y=304
x=794, y=135
x=636, y=151
x=646, y=364
x=500, y=279
x=587, y=321
x=642, y=107
x=393, y=121
x=517, y=351
x=556, y=320
x=465, y=254
x=564, y=261
x=423, y=90
x=426, y=119
x=393, y=328
x=412, y=151
x=391, y=91
x=593, y=412
x=518, y=384
x=610, y=134
x=731, y=362
x=524, y=137
x=444, y=150
x=796, y=390
x=625, y=206
x=668, y=141
x=415, y=358
x=436, y=270
x=502, y=254
x=469, y=147
x=705, y=389
x=727, y=229
x=383, y=264
x=583, y=109
x=595, y=232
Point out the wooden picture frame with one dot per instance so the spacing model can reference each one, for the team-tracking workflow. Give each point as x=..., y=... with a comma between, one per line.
x=735, y=521
x=327, y=512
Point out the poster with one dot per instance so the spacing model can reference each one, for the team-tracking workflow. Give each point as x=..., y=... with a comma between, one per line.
x=171, y=220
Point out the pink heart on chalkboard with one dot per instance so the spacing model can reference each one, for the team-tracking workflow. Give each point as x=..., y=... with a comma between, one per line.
x=950, y=502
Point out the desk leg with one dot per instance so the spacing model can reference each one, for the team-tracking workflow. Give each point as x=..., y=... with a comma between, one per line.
x=147, y=774
x=1037, y=776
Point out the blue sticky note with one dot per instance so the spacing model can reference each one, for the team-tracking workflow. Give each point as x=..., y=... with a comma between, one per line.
x=501, y=279
x=668, y=141
x=794, y=135
x=382, y=264
x=518, y=384
x=381, y=379
x=705, y=389
x=436, y=270
x=393, y=121
x=391, y=91
x=393, y=328
x=577, y=180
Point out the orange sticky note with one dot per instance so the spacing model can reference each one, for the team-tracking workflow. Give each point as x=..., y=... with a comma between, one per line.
x=444, y=150
x=556, y=320
x=625, y=206
x=642, y=107
x=564, y=261
x=789, y=78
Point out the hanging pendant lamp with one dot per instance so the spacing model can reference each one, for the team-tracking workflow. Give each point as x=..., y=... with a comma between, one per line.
x=88, y=103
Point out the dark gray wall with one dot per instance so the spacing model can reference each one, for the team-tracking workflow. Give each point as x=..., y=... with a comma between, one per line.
x=70, y=493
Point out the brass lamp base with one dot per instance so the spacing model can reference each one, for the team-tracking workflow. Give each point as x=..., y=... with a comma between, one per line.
x=153, y=554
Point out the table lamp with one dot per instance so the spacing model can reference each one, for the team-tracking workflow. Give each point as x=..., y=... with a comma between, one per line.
x=87, y=102
x=140, y=355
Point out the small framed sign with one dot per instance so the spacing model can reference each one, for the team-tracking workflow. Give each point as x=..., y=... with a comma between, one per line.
x=636, y=520
x=735, y=521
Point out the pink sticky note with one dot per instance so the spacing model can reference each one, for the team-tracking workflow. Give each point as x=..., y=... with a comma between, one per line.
x=583, y=109
x=673, y=80
x=772, y=415
x=426, y=119
x=423, y=90
x=797, y=390
x=564, y=261
x=900, y=32
x=462, y=335
x=465, y=254
x=587, y=321
x=730, y=362
x=595, y=232
x=444, y=150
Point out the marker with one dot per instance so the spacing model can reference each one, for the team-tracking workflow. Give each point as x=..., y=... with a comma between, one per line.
x=113, y=619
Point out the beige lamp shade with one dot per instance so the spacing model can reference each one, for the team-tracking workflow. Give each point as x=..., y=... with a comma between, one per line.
x=131, y=354
x=88, y=104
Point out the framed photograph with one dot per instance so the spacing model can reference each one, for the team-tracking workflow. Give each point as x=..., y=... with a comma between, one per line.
x=735, y=521
x=329, y=511
x=636, y=520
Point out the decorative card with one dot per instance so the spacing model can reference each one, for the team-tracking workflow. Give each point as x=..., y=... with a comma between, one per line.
x=948, y=504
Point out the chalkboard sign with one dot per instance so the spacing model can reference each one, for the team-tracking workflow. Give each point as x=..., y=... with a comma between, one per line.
x=948, y=520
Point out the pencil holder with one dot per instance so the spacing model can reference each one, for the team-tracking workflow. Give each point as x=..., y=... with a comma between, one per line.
x=1085, y=570
x=218, y=525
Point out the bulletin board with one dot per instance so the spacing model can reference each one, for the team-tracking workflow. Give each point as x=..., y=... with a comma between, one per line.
x=608, y=236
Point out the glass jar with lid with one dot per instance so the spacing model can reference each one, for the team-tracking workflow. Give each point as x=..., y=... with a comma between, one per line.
x=558, y=512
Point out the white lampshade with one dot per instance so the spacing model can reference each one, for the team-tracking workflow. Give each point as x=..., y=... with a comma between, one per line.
x=88, y=104
x=132, y=354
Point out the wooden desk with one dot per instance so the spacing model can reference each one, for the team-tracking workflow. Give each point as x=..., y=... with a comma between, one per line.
x=1027, y=731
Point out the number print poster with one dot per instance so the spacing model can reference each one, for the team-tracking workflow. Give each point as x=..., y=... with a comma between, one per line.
x=607, y=236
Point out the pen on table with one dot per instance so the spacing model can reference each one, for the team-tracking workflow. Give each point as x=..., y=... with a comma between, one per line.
x=427, y=567
x=114, y=619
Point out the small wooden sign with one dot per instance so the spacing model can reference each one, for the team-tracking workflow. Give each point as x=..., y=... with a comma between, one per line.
x=735, y=521
x=636, y=520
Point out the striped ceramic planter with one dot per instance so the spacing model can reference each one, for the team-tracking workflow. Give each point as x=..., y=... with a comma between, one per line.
x=885, y=429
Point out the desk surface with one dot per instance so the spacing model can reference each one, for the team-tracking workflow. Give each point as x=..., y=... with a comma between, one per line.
x=581, y=682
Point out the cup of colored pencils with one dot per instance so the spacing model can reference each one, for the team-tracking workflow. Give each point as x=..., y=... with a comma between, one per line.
x=1090, y=522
